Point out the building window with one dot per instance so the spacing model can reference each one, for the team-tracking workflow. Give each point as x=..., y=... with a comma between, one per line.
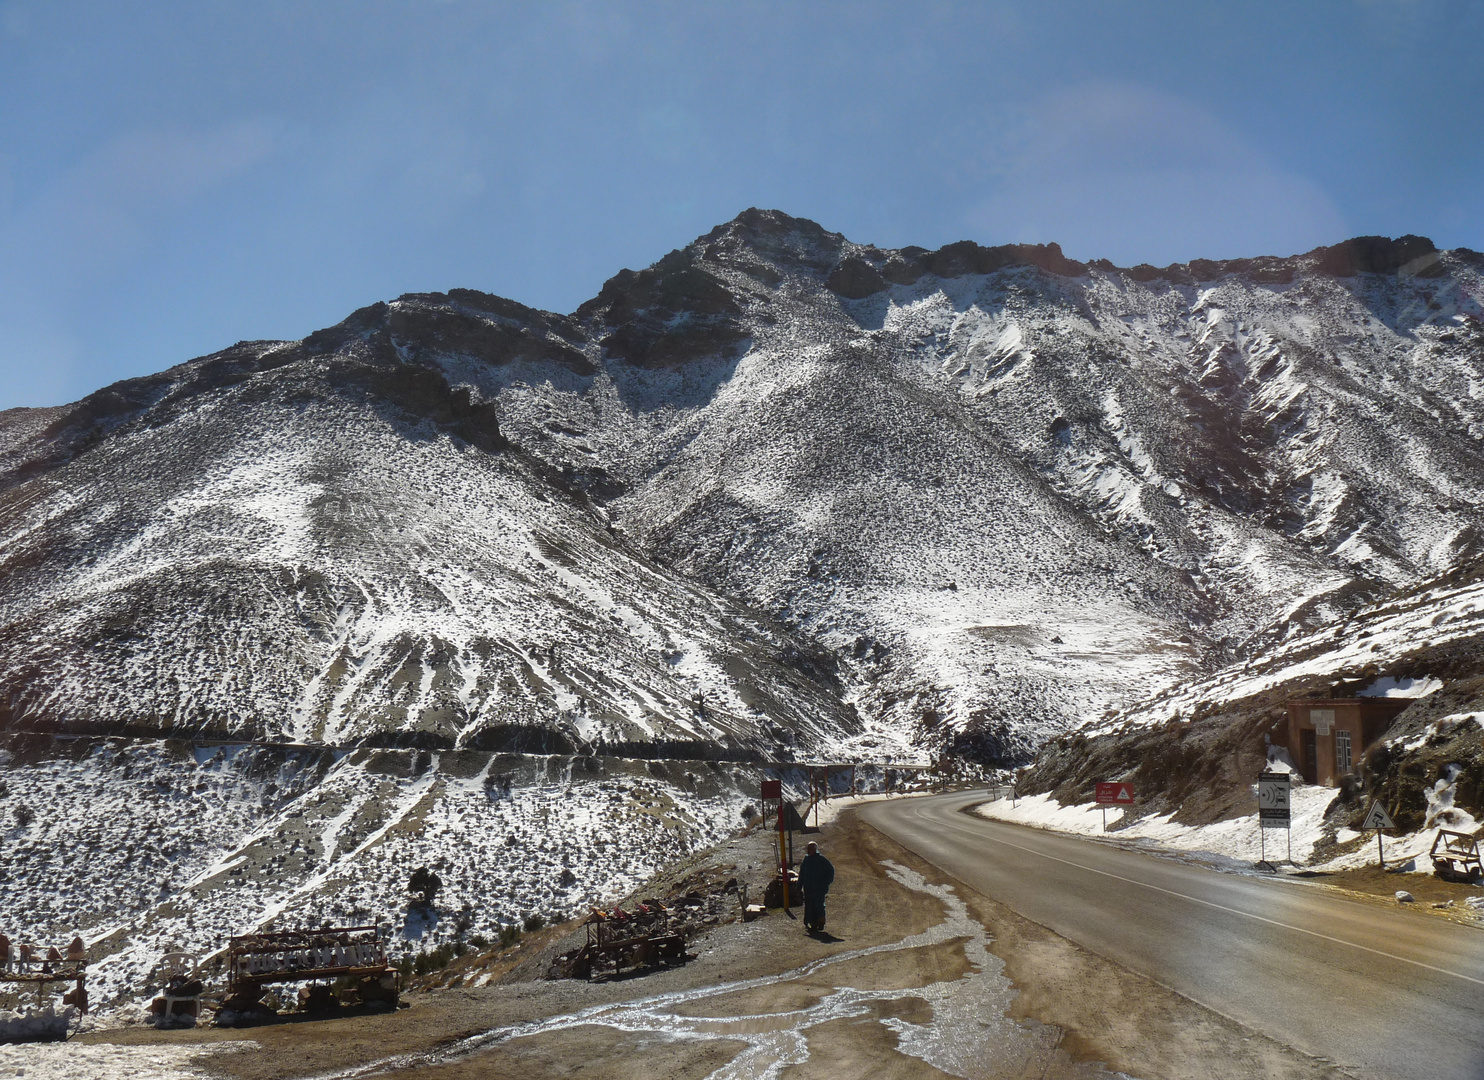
x=1342, y=752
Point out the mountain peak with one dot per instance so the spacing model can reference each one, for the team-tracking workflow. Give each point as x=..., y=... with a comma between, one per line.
x=755, y=222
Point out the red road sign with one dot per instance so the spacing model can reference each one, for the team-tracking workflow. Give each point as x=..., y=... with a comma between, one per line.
x=772, y=789
x=1115, y=793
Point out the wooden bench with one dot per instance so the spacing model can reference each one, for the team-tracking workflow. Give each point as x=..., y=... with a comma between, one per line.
x=1455, y=857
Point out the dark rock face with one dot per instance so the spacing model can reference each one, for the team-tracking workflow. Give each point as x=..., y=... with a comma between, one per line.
x=967, y=257
x=1436, y=746
x=461, y=322
x=671, y=313
x=855, y=279
x=770, y=235
x=1379, y=255
x=425, y=393
x=901, y=271
x=1412, y=255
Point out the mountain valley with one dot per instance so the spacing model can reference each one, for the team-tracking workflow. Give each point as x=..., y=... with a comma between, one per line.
x=532, y=597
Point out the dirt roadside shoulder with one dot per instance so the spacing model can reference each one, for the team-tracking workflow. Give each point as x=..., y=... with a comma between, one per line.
x=1070, y=1009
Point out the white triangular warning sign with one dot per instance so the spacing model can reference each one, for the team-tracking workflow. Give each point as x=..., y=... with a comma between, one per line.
x=1125, y=795
x=1377, y=818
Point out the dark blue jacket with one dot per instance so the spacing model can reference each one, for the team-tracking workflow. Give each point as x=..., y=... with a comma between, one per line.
x=816, y=874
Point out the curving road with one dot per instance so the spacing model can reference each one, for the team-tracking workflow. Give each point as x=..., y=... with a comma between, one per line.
x=1383, y=992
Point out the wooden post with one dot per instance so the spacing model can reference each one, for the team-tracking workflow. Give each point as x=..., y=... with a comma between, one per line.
x=782, y=860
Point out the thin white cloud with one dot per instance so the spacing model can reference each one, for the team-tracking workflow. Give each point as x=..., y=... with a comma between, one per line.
x=101, y=211
x=15, y=21
x=87, y=226
x=1121, y=172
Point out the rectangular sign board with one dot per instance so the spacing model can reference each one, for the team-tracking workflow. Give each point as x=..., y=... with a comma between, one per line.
x=772, y=789
x=1272, y=799
x=1115, y=793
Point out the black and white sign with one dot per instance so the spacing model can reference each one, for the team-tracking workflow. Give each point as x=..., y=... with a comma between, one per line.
x=1272, y=800
x=1377, y=818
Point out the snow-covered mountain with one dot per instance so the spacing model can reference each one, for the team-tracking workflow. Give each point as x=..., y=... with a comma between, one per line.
x=280, y=544
x=779, y=494
x=980, y=488
x=1009, y=490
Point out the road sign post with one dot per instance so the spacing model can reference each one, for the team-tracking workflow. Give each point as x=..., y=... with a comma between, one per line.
x=1377, y=818
x=1273, y=812
x=773, y=789
x=1113, y=793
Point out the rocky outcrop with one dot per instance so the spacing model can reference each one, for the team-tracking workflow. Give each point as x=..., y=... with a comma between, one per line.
x=855, y=279
x=1437, y=745
x=674, y=312
x=1414, y=255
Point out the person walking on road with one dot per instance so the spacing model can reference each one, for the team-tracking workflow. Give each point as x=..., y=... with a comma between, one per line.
x=816, y=873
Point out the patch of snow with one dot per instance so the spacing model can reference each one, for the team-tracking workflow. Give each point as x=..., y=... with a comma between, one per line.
x=1232, y=842
x=109, y=1061
x=1389, y=687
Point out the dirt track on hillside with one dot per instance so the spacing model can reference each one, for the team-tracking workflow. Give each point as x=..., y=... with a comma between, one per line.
x=904, y=1009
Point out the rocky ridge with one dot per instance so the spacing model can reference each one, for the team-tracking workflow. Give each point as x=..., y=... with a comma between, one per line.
x=987, y=490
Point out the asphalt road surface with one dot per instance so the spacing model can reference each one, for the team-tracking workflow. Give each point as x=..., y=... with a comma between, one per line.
x=1380, y=991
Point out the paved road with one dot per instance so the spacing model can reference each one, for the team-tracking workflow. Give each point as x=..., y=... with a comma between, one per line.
x=1382, y=991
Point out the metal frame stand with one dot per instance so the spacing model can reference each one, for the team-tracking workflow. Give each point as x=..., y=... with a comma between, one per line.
x=1262, y=839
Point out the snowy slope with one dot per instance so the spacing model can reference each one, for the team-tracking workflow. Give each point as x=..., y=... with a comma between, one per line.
x=146, y=846
x=287, y=557
x=991, y=489
x=1435, y=629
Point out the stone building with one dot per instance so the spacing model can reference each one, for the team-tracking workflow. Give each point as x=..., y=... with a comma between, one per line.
x=1326, y=736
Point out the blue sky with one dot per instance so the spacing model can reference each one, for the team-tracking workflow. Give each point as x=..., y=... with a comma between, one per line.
x=175, y=177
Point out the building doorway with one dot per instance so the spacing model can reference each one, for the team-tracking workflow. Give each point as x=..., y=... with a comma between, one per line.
x=1308, y=758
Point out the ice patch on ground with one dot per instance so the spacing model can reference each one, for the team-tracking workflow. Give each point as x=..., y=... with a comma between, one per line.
x=46, y=1024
